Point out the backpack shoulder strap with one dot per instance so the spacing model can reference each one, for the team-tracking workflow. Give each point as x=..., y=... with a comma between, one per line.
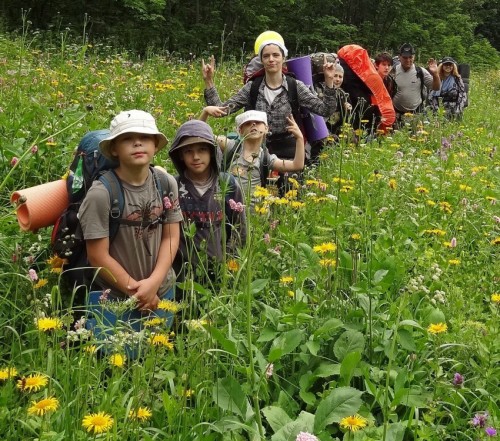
x=112, y=182
x=162, y=186
x=420, y=76
x=293, y=97
x=264, y=166
x=254, y=92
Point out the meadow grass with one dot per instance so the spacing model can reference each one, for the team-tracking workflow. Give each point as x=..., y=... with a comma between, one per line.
x=364, y=307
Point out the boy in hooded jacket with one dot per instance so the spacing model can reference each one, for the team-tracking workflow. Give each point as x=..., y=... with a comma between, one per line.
x=210, y=200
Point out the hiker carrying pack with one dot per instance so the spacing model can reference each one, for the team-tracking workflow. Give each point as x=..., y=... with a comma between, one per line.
x=87, y=166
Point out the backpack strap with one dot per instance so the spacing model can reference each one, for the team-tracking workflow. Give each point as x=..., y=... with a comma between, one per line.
x=112, y=182
x=162, y=186
x=293, y=97
x=265, y=161
x=420, y=76
x=254, y=92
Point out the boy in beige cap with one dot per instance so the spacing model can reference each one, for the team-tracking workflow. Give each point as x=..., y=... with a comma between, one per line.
x=138, y=261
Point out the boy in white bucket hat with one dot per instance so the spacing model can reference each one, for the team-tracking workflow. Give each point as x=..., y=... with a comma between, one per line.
x=247, y=158
x=137, y=263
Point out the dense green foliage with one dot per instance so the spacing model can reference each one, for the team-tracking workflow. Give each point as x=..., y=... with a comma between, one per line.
x=355, y=305
x=466, y=30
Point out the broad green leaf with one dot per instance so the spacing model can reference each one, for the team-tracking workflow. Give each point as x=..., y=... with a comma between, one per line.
x=340, y=403
x=379, y=276
x=226, y=344
x=406, y=340
x=285, y=344
x=327, y=370
x=258, y=285
x=289, y=432
x=313, y=347
x=412, y=323
x=276, y=417
x=348, y=365
x=266, y=335
x=328, y=328
x=228, y=395
x=411, y=397
x=349, y=341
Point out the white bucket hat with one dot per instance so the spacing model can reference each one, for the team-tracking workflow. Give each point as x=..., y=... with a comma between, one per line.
x=132, y=121
x=251, y=115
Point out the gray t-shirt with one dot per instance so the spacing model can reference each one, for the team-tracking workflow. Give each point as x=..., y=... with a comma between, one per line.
x=409, y=94
x=248, y=172
x=134, y=247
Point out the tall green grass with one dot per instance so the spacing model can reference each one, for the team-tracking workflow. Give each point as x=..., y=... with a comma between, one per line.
x=332, y=310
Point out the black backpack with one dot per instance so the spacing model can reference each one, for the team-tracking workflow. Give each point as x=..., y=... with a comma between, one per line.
x=230, y=153
x=89, y=165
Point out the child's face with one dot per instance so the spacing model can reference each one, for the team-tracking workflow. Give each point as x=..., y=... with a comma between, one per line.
x=134, y=149
x=196, y=157
x=383, y=68
x=338, y=77
x=272, y=58
x=253, y=129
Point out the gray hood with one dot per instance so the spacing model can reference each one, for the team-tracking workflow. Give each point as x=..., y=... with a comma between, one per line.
x=203, y=133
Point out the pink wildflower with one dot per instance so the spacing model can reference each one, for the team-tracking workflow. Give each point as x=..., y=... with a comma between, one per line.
x=306, y=436
x=453, y=242
x=34, y=149
x=267, y=238
x=33, y=275
x=14, y=161
x=104, y=295
x=496, y=219
x=236, y=206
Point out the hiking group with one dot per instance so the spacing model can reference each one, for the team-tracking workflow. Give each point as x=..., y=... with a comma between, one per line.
x=142, y=228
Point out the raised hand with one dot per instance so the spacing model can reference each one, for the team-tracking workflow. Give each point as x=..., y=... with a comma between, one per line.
x=207, y=71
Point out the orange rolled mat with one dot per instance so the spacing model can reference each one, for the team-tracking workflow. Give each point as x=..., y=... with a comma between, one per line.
x=40, y=206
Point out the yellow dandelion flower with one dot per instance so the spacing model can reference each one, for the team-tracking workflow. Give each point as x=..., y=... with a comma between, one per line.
x=97, y=422
x=491, y=199
x=435, y=232
x=154, y=322
x=140, y=414
x=437, y=328
x=41, y=283
x=46, y=324
x=353, y=423
x=261, y=192
x=56, y=262
x=117, y=360
x=294, y=182
x=421, y=190
x=261, y=209
x=188, y=393
x=43, y=406
x=327, y=263
x=291, y=194
x=281, y=201
x=196, y=324
x=393, y=184
x=7, y=373
x=454, y=262
x=355, y=236
x=169, y=306
x=297, y=204
x=32, y=383
x=291, y=294
x=346, y=188
x=325, y=247
x=161, y=340
x=445, y=206
x=285, y=280
x=495, y=298
x=90, y=349
x=464, y=187
x=430, y=202
x=233, y=265
x=496, y=241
